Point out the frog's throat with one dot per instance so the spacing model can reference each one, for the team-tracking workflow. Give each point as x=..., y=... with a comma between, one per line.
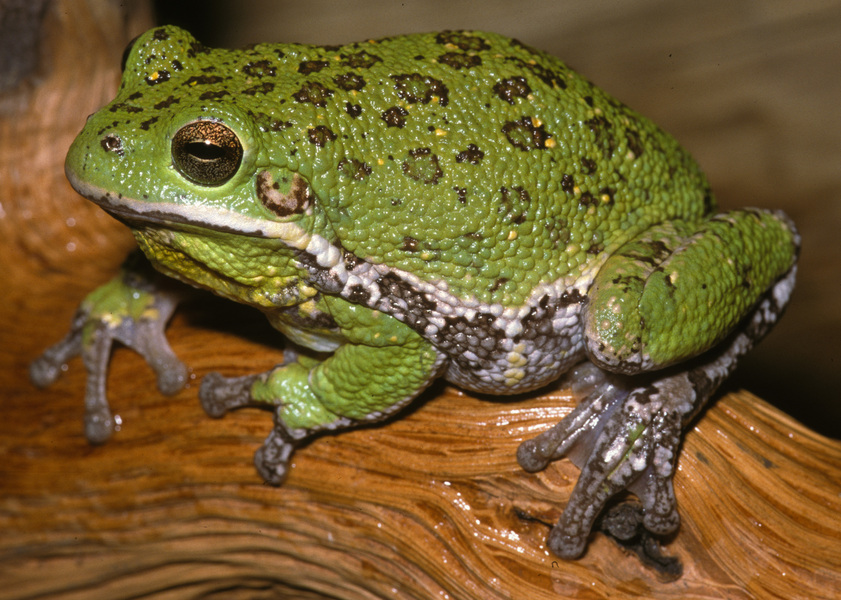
x=129, y=211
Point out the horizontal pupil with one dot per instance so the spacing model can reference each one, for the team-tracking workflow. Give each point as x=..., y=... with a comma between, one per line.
x=204, y=150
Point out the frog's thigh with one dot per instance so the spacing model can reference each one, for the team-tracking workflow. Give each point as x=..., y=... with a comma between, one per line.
x=680, y=288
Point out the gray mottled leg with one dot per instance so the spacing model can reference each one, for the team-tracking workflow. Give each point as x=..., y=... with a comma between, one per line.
x=626, y=432
x=272, y=458
x=219, y=394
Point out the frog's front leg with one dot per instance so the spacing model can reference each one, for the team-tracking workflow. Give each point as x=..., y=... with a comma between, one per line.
x=133, y=308
x=380, y=367
x=703, y=298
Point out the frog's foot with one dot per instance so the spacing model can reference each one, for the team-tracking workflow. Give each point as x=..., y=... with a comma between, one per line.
x=121, y=311
x=623, y=522
x=310, y=394
x=220, y=394
x=622, y=437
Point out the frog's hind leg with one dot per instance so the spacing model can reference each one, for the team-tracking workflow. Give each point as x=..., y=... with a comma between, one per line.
x=625, y=433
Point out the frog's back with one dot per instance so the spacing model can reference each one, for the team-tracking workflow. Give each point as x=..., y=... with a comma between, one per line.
x=461, y=157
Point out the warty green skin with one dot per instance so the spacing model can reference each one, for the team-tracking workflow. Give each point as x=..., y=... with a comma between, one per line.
x=451, y=204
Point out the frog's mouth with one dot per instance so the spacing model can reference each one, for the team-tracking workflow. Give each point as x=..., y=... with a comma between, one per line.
x=135, y=213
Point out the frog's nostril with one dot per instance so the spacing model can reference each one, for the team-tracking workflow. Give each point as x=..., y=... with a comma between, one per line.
x=112, y=143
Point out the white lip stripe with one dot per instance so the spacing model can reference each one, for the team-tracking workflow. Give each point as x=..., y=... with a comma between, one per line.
x=195, y=214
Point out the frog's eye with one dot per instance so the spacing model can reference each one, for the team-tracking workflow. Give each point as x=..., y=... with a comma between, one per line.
x=206, y=152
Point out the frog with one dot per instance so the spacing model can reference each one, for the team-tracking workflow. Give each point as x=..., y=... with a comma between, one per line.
x=455, y=205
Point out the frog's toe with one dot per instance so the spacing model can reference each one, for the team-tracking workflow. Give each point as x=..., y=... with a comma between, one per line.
x=659, y=507
x=219, y=394
x=568, y=539
x=99, y=425
x=598, y=397
x=149, y=340
x=48, y=367
x=272, y=458
x=96, y=352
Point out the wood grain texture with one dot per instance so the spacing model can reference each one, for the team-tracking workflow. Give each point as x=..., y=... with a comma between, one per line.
x=432, y=505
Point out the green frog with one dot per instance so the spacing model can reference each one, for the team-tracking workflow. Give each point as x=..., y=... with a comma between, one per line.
x=453, y=204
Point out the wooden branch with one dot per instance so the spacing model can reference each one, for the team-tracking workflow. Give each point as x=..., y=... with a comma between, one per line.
x=430, y=505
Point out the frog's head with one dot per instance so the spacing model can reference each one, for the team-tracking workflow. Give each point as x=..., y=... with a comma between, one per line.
x=180, y=156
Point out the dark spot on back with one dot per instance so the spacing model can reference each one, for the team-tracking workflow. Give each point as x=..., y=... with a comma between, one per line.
x=311, y=66
x=395, y=116
x=259, y=68
x=265, y=87
x=459, y=60
x=422, y=165
x=588, y=166
x=415, y=88
x=214, y=95
x=512, y=87
x=472, y=155
x=148, y=123
x=462, y=41
x=320, y=135
x=568, y=184
x=166, y=103
x=314, y=93
x=354, y=169
x=410, y=244
x=203, y=80
x=524, y=135
x=587, y=199
x=349, y=81
x=359, y=60
x=160, y=76
x=634, y=143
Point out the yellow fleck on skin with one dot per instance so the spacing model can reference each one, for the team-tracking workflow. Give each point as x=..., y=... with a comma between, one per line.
x=515, y=359
x=308, y=307
x=151, y=313
x=513, y=376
